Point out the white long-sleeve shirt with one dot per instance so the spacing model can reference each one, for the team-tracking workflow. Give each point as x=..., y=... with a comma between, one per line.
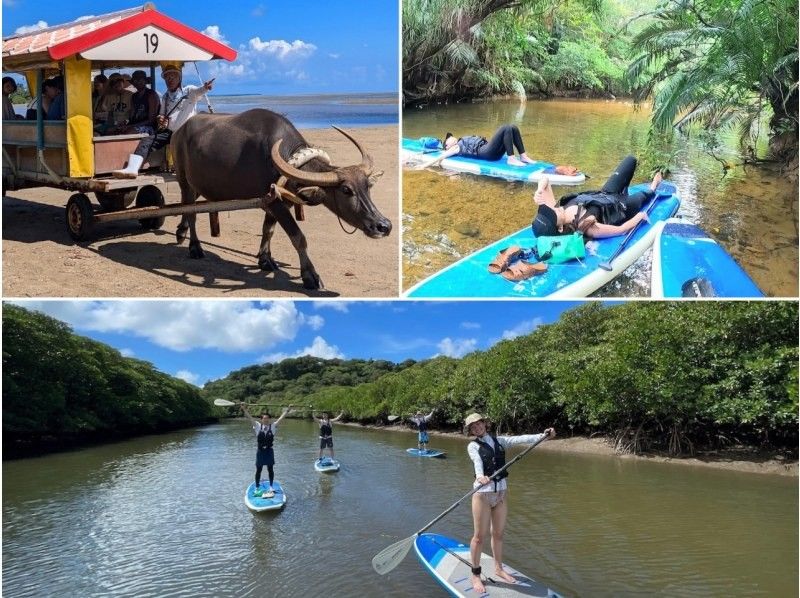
x=473, y=450
x=186, y=110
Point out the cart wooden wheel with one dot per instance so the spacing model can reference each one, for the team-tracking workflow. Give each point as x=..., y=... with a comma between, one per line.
x=80, y=217
x=150, y=195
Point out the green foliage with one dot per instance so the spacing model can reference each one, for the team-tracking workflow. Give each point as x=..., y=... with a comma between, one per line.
x=582, y=66
x=57, y=385
x=724, y=65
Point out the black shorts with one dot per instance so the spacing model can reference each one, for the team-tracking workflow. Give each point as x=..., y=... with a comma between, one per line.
x=326, y=442
x=265, y=457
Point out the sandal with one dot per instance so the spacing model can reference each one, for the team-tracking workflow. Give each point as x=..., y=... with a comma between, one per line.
x=504, y=258
x=524, y=270
x=567, y=170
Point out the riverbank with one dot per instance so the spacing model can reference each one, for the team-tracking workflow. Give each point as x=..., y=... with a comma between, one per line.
x=122, y=260
x=742, y=459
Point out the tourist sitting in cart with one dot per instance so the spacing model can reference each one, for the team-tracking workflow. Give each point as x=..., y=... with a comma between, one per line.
x=178, y=104
x=116, y=105
x=54, y=90
x=9, y=87
x=144, y=106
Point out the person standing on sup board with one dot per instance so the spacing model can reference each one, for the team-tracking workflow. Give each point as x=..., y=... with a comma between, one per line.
x=265, y=436
x=489, y=507
x=421, y=422
x=326, y=432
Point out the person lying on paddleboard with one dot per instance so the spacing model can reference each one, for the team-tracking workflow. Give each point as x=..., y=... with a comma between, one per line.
x=265, y=436
x=597, y=214
x=489, y=507
x=421, y=422
x=326, y=432
x=505, y=140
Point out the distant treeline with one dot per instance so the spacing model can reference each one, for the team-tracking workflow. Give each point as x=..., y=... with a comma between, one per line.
x=672, y=376
x=61, y=389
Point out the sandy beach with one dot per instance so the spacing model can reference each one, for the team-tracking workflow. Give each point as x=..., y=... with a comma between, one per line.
x=742, y=460
x=41, y=260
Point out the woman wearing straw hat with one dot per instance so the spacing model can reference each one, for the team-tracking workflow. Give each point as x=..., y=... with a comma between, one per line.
x=489, y=507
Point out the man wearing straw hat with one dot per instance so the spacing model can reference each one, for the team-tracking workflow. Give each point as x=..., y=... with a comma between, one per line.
x=489, y=507
x=178, y=104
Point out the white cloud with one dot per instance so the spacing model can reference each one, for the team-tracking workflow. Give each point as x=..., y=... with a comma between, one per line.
x=318, y=348
x=470, y=325
x=341, y=306
x=229, y=326
x=456, y=347
x=223, y=69
x=282, y=49
x=86, y=17
x=258, y=11
x=522, y=328
x=314, y=322
x=127, y=352
x=214, y=33
x=31, y=28
x=188, y=376
x=334, y=56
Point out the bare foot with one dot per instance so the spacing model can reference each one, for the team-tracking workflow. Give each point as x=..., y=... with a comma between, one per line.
x=544, y=193
x=505, y=576
x=526, y=159
x=656, y=181
x=477, y=585
x=514, y=161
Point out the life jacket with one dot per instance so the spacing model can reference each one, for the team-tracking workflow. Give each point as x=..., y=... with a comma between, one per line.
x=325, y=431
x=265, y=437
x=492, y=459
x=140, y=103
x=422, y=424
x=469, y=146
x=609, y=206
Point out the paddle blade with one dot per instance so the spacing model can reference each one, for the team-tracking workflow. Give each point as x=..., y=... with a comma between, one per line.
x=223, y=403
x=393, y=418
x=605, y=266
x=388, y=558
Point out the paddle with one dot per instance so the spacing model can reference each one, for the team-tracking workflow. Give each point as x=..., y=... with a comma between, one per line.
x=664, y=190
x=226, y=403
x=393, y=418
x=390, y=557
x=698, y=287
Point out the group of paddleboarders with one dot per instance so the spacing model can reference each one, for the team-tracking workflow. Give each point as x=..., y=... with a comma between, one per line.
x=265, y=430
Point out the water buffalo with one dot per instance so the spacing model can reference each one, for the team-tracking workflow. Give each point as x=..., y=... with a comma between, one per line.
x=239, y=156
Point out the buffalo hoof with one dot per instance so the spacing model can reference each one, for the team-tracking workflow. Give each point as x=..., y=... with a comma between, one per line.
x=266, y=263
x=311, y=280
x=180, y=234
x=196, y=252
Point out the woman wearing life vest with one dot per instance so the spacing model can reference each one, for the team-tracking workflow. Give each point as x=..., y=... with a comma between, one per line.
x=421, y=422
x=326, y=432
x=505, y=140
x=489, y=507
x=597, y=214
x=265, y=437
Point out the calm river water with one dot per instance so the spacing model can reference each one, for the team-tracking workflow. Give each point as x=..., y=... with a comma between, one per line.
x=752, y=213
x=164, y=516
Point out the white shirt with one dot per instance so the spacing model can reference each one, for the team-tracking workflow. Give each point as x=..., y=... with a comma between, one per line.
x=187, y=108
x=473, y=449
x=257, y=427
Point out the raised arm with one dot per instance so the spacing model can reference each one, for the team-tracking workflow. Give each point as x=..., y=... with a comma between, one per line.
x=430, y=415
x=286, y=411
x=338, y=417
x=246, y=412
x=507, y=441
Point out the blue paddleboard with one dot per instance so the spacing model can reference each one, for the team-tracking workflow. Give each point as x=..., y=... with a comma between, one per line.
x=689, y=263
x=425, y=453
x=258, y=504
x=469, y=277
x=446, y=560
x=415, y=150
x=327, y=465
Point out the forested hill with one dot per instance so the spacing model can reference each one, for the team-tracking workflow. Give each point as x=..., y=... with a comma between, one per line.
x=673, y=376
x=61, y=389
x=294, y=380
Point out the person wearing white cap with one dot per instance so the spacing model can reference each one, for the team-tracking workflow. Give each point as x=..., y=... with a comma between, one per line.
x=178, y=104
x=489, y=507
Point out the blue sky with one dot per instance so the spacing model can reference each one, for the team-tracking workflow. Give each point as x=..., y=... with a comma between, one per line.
x=285, y=48
x=201, y=340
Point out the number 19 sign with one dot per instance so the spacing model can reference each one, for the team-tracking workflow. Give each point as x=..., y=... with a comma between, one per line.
x=150, y=43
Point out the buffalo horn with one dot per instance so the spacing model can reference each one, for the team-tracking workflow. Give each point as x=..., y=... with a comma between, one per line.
x=322, y=179
x=366, y=159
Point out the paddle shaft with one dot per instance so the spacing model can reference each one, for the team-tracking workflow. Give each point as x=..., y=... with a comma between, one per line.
x=607, y=265
x=491, y=478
